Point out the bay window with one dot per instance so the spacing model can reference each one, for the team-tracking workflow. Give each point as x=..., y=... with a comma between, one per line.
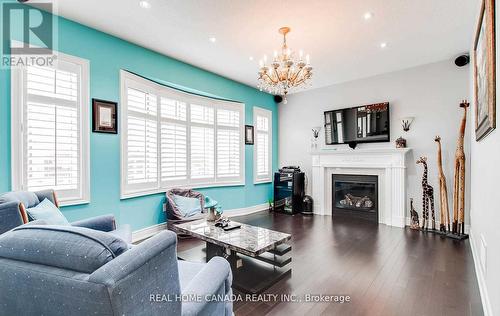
x=172, y=138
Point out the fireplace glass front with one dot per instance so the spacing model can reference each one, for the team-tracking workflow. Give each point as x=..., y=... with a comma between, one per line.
x=355, y=196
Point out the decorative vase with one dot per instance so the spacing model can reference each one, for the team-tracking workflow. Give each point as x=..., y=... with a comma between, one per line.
x=400, y=142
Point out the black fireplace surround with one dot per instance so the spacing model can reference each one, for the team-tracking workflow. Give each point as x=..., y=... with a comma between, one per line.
x=355, y=196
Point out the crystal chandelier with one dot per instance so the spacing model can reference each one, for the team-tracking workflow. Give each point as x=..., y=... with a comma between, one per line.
x=286, y=72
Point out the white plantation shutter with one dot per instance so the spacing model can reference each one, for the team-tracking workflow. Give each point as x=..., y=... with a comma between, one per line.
x=229, y=139
x=262, y=154
x=202, y=142
x=263, y=145
x=50, y=132
x=175, y=139
x=142, y=139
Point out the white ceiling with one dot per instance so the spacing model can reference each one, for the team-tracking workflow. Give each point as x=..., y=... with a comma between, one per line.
x=343, y=46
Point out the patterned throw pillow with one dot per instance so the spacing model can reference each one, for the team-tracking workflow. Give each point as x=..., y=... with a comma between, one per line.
x=48, y=212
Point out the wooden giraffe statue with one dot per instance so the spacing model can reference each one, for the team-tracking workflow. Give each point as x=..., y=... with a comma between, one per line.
x=443, y=192
x=459, y=180
x=414, y=217
x=427, y=197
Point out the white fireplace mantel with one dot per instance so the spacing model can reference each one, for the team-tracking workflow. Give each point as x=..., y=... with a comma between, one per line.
x=389, y=164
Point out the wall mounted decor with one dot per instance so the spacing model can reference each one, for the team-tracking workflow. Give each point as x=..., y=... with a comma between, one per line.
x=249, y=135
x=104, y=116
x=484, y=71
x=427, y=197
x=406, y=123
x=444, y=221
x=314, y=139
x=458, y=227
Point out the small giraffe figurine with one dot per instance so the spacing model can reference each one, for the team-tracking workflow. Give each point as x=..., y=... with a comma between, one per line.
x=459, y=181
x=427, y=197
x=443, y=192
x=415, y=224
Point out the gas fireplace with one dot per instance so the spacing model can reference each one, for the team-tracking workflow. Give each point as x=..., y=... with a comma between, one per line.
x=355, y=196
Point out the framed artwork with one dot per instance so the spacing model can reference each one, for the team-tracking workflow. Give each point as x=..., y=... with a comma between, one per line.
x=248, y=134
x=484, y=71
x=104, y=116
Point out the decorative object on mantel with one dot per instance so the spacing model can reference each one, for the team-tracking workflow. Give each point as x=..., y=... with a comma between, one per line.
x=415, y=224
x=458, y=229
x=104, y=116
x=444, y=222
x=286, y=72
x=248, y=135
x=484, y=71
x=406, y=123
x=400, y=142
x=314, y=140
x=427, y=197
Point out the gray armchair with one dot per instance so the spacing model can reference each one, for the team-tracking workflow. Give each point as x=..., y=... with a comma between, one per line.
x=13, y=207
x=64, y=270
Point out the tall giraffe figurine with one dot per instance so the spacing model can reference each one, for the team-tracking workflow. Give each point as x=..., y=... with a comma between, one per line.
x=443, y=192
x=459, y=180
x=427, y=197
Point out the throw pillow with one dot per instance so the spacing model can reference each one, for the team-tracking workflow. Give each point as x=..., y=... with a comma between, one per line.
x=48, y=212
x=187, y=206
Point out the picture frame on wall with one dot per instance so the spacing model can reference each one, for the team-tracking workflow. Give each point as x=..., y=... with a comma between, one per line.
x=104, y=116
x=249, y=135
x=484, y=71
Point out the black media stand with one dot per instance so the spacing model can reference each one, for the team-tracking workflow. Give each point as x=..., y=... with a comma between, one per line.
x=289, y=191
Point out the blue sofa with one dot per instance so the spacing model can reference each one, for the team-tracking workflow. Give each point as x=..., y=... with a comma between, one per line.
x=13, y=207
x=66, y=270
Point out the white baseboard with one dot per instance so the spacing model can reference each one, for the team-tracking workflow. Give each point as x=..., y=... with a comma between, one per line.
x=147, y=232
x=246, y=210
x=483, y=290
x=408, y=222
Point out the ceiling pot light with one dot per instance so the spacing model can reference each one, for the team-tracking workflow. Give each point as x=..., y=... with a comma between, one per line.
x=250, y=58
x=144, y=4
x=212, y=39
x=383, y=45
x=368, y=15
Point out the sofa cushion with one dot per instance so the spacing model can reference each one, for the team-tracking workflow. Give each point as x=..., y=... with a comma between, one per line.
x=74, y=248
x=48, y=212
x=29, y=199
x=187, y=206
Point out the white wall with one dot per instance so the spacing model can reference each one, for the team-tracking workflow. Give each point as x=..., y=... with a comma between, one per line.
x=485, y=205
x=431, y=93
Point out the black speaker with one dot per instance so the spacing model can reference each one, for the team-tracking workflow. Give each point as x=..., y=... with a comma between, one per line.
x=352, y=144
x=462, y=60
x=278, y=98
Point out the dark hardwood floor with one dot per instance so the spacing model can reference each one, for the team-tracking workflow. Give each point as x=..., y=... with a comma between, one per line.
x=385, y=270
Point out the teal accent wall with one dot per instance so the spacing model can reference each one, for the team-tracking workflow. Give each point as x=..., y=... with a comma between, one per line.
x=107, y=55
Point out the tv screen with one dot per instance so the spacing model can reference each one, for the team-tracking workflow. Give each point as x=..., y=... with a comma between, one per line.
x=361, y=124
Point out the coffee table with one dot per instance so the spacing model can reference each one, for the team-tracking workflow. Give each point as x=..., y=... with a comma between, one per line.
x=257, y=255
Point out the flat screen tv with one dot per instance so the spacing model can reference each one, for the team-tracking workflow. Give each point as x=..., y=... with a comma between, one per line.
x=360, y=124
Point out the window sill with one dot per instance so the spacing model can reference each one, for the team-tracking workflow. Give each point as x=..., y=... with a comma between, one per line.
x=193, y=186
x=64, y=203
x=262, y=181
